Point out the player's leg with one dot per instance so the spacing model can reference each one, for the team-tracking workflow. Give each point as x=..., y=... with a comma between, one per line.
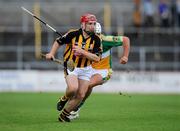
x=99, y=77
x=94, y=81
x=72, y=87
x=83, y=87
x=72, y=82
x=84, y=75
x=73, y=102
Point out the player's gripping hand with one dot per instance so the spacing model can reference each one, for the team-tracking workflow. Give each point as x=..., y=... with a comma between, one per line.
x=49, y=56
x=78, y=51
x=123, y=60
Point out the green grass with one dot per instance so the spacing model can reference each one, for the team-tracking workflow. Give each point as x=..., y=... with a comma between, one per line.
x=102, y=112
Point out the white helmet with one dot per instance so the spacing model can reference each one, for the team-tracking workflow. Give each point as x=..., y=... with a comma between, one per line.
x=98, y=28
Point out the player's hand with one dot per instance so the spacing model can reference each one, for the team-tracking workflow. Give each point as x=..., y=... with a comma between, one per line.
x=49, y=56
x=78, y=51
x=123, y=60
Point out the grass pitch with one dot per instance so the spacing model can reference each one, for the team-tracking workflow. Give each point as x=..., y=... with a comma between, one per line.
x=102, y=112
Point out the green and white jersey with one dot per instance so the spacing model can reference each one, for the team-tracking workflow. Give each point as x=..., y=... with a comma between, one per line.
x=107, y=42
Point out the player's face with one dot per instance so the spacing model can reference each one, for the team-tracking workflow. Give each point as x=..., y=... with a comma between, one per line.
x=90, y=26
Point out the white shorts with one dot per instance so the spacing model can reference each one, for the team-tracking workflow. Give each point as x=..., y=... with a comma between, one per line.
x=82, y=73
x=105, y=73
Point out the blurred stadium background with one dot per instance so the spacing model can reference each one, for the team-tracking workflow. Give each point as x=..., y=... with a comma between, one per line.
x=155, y=44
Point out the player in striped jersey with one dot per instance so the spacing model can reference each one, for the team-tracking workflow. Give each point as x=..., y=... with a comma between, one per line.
x=83, y=46
x=102, y=70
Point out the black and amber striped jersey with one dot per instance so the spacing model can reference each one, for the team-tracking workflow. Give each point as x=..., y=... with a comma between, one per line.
x=75, y=37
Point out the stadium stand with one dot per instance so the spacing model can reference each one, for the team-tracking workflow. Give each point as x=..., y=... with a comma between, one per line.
x=152, y=48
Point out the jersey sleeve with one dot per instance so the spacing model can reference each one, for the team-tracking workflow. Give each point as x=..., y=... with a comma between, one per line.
x=112, y=41
x=65, y=39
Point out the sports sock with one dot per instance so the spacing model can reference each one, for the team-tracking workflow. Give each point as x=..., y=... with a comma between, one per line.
x=63, y=117
x=64, y=98
x=79, y=106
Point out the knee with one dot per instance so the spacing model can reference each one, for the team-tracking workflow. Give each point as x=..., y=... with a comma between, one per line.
x=95, y=84
x=95, y=81
x=72, y=90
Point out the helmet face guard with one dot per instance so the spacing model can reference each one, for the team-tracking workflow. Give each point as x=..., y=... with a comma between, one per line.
x=98, y=29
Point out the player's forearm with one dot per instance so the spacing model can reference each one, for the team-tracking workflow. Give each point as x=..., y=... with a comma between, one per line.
x=54, y=48
x=126, y=46
x=91, y=56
